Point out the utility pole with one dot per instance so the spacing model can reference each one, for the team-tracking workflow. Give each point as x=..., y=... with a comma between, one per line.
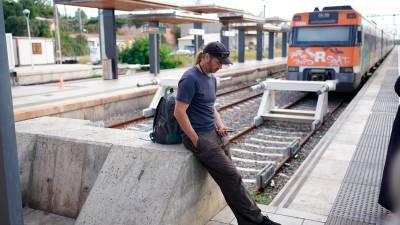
x=66, y=19
x=264, y=3
x=27, y=12
x=80, y=24
x=57, y=33
x=80, y=21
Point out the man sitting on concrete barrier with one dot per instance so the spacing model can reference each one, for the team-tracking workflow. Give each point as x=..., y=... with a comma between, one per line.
x=206, y=135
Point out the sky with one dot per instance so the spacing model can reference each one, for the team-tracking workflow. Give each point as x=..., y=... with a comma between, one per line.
x=286, y=8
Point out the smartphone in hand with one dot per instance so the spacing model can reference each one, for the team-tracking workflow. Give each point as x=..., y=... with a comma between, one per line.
x=230, y=130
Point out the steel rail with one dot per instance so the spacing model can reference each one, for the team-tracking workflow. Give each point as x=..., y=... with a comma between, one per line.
x=304, y=140
x=248, y=129
x=141, y=117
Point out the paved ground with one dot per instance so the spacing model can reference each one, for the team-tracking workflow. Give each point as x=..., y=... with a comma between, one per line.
x=309, y=196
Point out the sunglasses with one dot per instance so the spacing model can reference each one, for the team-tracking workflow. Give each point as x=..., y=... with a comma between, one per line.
x=221, y=55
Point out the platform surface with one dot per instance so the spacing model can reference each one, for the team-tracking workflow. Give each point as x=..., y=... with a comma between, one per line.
x=340, y=180
x=26, y=98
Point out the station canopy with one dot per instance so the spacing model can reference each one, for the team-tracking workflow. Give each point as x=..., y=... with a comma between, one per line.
x=173, y=17
x=276, y=20
x=210, y=9
x=240, y=18
x=256, y=27
x=124, y=5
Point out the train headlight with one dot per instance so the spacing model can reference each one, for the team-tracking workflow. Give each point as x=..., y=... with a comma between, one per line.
x=346, y=69
x=293, y=69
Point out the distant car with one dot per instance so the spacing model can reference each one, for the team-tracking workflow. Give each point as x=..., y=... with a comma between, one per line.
x=70, y=60
x=182, y=52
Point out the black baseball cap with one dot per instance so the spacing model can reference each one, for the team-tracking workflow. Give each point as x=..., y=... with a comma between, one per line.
x=217, y=49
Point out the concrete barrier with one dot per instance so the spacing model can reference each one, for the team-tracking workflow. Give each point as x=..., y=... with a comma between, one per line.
x=53, y=73
x=108, y=176
x=151, y=184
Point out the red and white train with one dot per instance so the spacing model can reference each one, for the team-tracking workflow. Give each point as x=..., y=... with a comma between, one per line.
x=337, y=43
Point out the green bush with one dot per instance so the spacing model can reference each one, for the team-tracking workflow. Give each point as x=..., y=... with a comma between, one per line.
x=138, y=53
x=168, y=61
x=74, y=46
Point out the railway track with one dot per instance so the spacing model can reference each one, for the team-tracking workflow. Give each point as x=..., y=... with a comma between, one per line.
x=268, y=147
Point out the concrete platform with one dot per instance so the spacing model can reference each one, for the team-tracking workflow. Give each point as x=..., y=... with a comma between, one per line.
x=96, y=95
x=38, y=217
x=38, y=74
x=314, y=194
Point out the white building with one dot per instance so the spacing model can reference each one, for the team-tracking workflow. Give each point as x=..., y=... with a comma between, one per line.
x=186, y=42
x=20, y=49
x=10, y=52
x=94, y=49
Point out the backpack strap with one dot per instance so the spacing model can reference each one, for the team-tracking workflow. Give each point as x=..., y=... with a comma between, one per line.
x=168, y=89
x=155, y=119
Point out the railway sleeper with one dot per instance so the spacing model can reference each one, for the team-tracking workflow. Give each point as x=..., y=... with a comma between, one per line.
x=268, y=131
x=264, y=176
x=276, y=137
x=251, y=155
x=249, y=163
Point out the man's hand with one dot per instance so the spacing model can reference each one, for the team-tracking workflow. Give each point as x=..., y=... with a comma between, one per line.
x=223, y=130
x=195, y=140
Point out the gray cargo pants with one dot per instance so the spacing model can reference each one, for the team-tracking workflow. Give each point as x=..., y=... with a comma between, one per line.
x=216, y=158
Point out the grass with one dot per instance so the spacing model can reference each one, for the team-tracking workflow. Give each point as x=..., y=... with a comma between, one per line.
x=261, y=198
x=186, y=60
x=85, y=59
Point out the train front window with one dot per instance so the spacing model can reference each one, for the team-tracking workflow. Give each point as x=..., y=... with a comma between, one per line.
x=323, y=36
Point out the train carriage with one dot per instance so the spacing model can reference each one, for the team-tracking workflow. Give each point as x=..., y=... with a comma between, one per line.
x=336, y=43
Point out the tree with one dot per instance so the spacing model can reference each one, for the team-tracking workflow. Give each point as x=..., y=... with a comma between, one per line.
x=120, y=22
x=135, y=22
x=176, y=30
x=138, y=53
x=74, y=22
x=15, y=22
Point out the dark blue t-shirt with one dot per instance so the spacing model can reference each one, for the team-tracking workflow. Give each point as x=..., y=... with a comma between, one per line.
x=199, y=91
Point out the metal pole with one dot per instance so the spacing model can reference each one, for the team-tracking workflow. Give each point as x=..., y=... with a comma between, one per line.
x=260, y=43
x=30, y=40
x=108, y=43
x=57, y=28
x=270, y=45
x=155, y=54
x=241, y=46
x=154, y=48
x=224, y=39
x=284, y=44
x=198, y=39
x=10, y=193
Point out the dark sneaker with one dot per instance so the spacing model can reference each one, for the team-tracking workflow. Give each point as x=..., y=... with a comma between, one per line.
x=267, y=221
